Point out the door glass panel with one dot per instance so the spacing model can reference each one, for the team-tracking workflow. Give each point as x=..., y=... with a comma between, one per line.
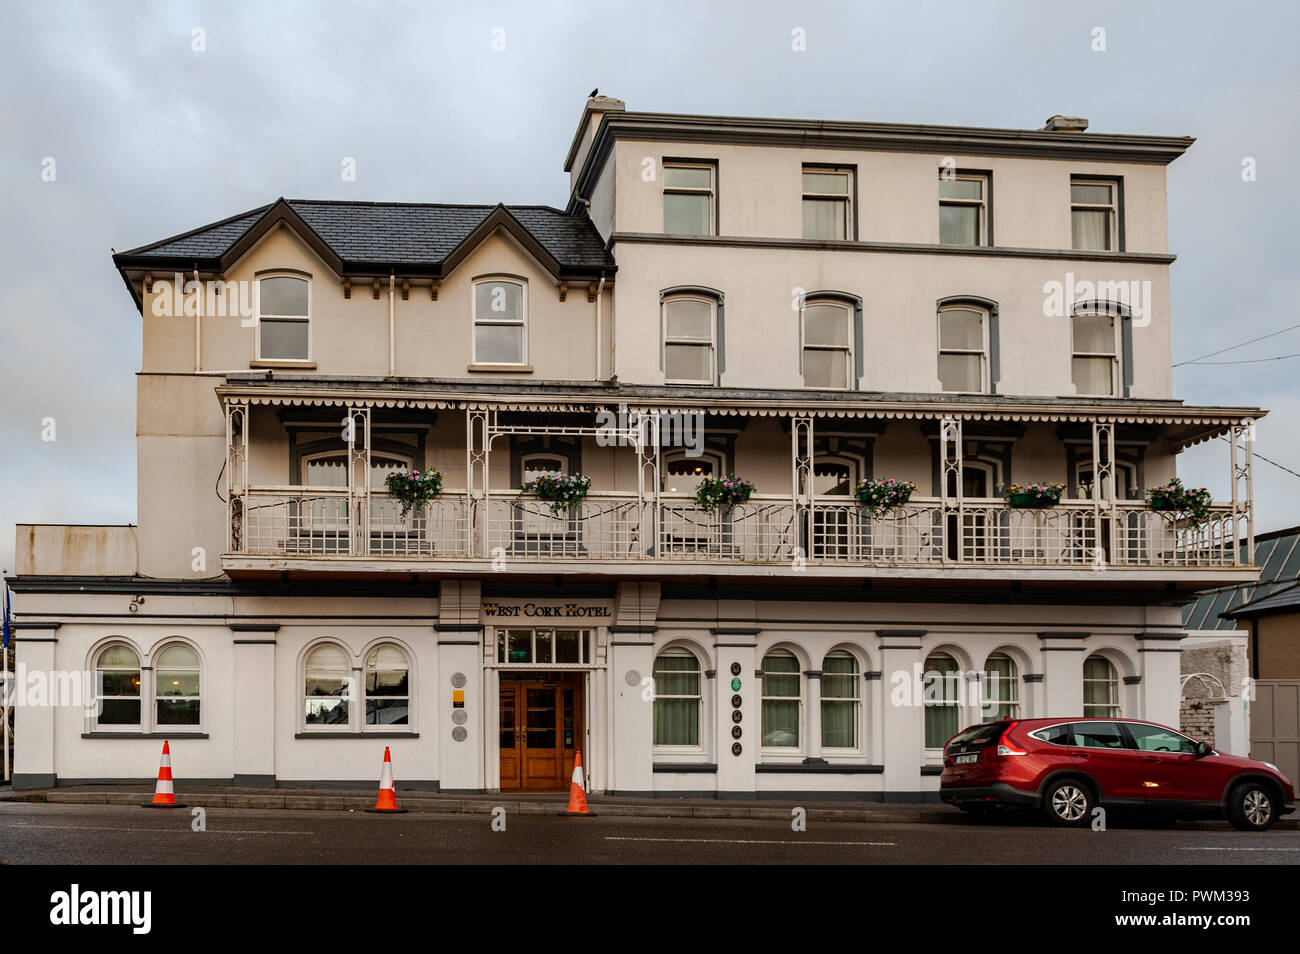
x=540, y=718
x=507, y=717
x=568, y=646
x=570, y=725
x=545, y=639
x=1151, y=738
x=1097, y=735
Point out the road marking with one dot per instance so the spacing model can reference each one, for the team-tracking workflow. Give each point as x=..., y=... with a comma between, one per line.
x=1239, y=849
x=209, y=831
x=753, y=841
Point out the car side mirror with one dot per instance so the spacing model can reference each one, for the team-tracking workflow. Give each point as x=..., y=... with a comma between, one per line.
x=1202, y=750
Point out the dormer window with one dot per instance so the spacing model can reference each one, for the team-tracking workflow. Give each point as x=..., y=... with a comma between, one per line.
x=283, y=318
x=500, y=322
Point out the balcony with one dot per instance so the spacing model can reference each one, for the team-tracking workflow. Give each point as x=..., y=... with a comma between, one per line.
x=769, y=530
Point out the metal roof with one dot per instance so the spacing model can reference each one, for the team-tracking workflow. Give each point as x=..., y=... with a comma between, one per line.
x=1278, y=556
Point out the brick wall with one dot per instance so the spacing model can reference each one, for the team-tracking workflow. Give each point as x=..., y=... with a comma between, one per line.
x=1225, y=660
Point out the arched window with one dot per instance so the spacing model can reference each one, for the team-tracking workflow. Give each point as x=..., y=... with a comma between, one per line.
x=500, y=322
x=690, y=339
x=963, y=349
x=1100, y=688
x=782, y=699
x=941, y=696
x=327, y=682
x=176, y=686
x=117, y=686
x=388, y=687
x=841, y=686
x=1001, y=688
x=681, y=473
x=679, y=699
x=827, y=338
x=283, y=319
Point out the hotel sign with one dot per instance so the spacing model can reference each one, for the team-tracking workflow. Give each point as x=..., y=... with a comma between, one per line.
x=534, y=610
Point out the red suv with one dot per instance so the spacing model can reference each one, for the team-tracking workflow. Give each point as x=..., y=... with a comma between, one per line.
x=1066, y=767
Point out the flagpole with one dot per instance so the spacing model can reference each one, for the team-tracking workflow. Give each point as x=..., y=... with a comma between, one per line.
x=4, y=652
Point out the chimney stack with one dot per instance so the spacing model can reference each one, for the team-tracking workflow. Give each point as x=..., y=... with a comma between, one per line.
x=1059, y=123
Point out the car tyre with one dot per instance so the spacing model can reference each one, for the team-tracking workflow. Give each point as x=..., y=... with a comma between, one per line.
x=1068, y=802
x=1252, y=806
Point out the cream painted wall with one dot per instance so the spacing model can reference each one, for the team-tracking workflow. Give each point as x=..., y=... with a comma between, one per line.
x=760, y=193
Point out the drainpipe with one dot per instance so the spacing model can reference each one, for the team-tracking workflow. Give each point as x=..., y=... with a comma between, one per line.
x=599, y=290
x=198, y=314
x=392, y=326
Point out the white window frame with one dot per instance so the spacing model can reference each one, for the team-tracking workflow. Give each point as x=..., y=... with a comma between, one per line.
x=981, y=204
x=850, y=366
x=500, y=651
x=1117, y=696
x=521, y=321
x=351, y=698
x=145, y=719
x=258, y=309
x=364, y=692
x=157, y=697
x=712, y=344
x=802, y=720
x=1112, y=207
x=944, y=701
x=711, y=191
x=845, y=199
x=688, y=748
x=859, y=708
x=1014, y=698
x=985, y=322
x=1115, y=356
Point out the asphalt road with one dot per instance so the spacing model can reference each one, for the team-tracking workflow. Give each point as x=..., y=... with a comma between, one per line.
x=33, y=833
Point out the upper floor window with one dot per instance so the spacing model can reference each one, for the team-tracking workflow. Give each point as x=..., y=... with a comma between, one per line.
x=1094, y=214
x=500, y=322
x=283, y=319
x=689, y=339
x=690, y=206
x=1094, y=365
x=963, y=349
x=827, y=203
x=827, y=340
x=963, y=208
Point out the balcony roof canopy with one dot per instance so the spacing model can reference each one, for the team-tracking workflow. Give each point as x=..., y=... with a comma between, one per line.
x=1188, y=425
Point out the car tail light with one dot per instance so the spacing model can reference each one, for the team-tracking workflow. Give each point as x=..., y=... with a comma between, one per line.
x=1005, y=746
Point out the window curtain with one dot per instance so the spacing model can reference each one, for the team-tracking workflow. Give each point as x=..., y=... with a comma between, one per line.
x=677, y=699
x=839, y=684
x=941, y=711
x=781, y=695
x=1100, y=692
x=1000, y=696
x=1090, y=228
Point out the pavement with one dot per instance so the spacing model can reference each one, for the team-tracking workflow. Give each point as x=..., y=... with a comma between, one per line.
x=78, y=834
x=338, y=800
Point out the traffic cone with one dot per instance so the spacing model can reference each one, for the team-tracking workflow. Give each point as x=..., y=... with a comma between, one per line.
x=387, y=803
x=577, y=795
x=164, y=796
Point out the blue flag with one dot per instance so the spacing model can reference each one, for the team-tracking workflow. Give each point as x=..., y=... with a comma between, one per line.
x=8, y=623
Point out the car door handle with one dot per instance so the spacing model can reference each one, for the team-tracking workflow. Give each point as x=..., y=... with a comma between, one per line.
x=1079, y=755
x=1151, y=758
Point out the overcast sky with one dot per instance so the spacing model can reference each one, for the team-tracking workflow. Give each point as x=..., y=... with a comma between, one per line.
x=151, y=137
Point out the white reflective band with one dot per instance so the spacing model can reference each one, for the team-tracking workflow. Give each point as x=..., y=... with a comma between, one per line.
x=577, y=775
x=166, y=761
x=164, y=788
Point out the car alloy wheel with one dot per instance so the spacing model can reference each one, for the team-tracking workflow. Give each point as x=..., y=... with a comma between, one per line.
x=1256, y=807
x=1068, y=802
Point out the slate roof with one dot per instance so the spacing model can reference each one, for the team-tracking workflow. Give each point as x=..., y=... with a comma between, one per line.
x=390, y=233
x=1278, y=556
x=1279, y=601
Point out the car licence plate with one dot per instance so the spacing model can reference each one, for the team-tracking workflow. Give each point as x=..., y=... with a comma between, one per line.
x=965, y=759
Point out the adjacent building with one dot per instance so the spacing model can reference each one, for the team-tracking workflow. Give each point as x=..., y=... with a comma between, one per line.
x=806, y=305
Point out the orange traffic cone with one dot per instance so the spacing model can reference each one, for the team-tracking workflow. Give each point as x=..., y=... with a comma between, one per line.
x=387, y=803
x=577, y=795
x=164, y=796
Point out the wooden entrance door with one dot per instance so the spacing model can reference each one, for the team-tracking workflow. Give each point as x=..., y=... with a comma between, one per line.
x=540, y=728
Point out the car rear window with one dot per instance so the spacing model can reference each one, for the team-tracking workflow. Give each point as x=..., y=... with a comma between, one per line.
x=978, y=734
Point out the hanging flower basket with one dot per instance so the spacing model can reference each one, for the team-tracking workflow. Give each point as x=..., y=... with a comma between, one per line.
x=561, y=491
x=1193, y=505
x=879, y=496
x=1035, y=495
x=413, y=488
x=720, y=494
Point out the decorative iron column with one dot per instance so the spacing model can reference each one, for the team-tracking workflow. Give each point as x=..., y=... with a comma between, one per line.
x=643, y=432
x=356, y=434
x=802, y=435
x=1103, y=489
x=477, y=446
x=236, y=472
x=952, y=503
x=1241, y=447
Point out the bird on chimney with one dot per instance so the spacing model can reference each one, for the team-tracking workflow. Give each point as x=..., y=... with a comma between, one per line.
x=592, y=94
